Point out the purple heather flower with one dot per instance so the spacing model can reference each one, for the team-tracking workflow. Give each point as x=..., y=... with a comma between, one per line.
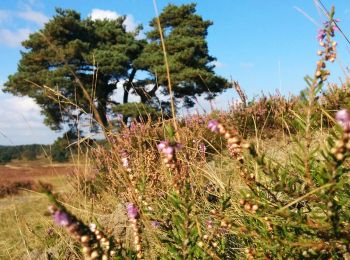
x=332, y=25
x=62, y=218
x=213, y=125
x=162, y=145
x=132, y=211
x=202, y=148
x=343, y=118
x=168, y=150
x=335, y=26
x=155, y=224
x=321, y=34
x=119, y=117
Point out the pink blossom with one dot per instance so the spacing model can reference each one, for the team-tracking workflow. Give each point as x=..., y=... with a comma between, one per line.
x=168, y=150
x=162, y=145
x=321, y=34
x=61, y=218
x=343, y=118
x=132, y=211
x=213, y=125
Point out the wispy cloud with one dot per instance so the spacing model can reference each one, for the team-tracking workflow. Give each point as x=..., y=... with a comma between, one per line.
x=27, y=14
x=13, y=38
x=4, y=16
x=100, y=14
x=33, y=16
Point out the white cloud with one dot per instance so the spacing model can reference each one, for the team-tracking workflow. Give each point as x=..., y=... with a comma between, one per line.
x=13, y=38
x=119, y=92
x=21, y=122
x=33, y=16
x=99, y=14
x=130, y=23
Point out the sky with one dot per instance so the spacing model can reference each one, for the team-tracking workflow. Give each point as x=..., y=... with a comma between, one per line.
x=265, y=45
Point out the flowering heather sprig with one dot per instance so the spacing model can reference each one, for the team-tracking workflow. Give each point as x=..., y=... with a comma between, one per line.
x=202, y=149
x=342, y=146
x=328, y=53
x=94, y=242
x=125, y=160
x=104, y=242
x=133, y=215
x=327, y=27
x=235, y=144
x=168, y=151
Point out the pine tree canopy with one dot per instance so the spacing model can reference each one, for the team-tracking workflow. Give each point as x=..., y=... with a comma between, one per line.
x=190, y=64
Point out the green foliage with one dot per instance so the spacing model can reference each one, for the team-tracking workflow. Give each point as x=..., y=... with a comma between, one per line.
x=59, y=152
x=62, y=147
x=5, y=156
x=29, y=152
x=139, y=111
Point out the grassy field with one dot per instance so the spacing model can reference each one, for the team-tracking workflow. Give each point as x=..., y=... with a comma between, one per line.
x=23, y=224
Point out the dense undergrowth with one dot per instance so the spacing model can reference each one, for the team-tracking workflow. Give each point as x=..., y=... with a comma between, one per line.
x=267, y=180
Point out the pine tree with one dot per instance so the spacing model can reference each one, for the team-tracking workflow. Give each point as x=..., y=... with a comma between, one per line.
x=190, y=64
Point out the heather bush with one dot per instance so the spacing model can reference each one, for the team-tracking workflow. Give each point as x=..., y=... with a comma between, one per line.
x=267, y=114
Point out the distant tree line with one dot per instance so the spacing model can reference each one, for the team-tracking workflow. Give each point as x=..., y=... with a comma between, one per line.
x=29, y=152
x=57, y=152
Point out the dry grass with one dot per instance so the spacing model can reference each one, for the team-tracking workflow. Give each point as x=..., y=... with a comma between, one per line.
x=24, y=229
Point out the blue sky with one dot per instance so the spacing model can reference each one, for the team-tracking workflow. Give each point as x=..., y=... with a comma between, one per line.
x=265, y=45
